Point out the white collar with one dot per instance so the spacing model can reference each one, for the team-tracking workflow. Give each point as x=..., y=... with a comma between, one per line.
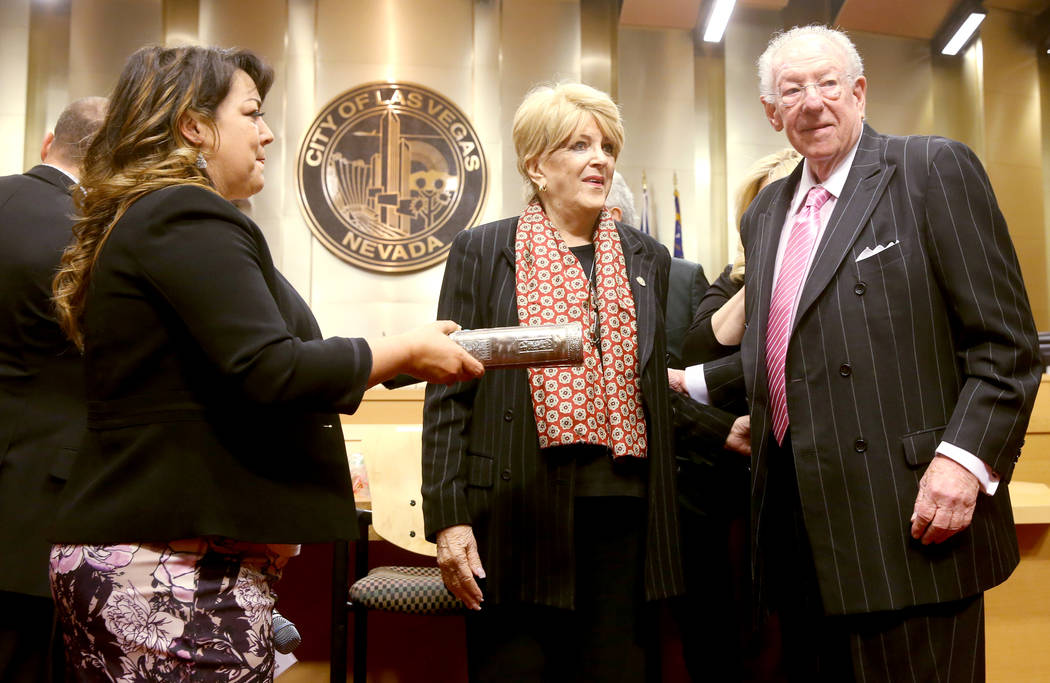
x=64, y=172
x=834, y=184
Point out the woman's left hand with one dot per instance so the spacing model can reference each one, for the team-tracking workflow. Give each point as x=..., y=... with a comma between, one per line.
x=457, y=556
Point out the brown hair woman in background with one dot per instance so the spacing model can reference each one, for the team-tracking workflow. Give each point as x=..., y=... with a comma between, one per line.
x=213, y=446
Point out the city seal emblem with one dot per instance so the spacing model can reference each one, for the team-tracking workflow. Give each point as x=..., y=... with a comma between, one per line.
x=388, y=173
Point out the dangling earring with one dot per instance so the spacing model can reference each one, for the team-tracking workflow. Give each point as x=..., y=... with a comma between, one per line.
x=201, y=162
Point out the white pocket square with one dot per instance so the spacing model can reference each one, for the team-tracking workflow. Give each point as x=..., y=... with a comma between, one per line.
x=869, y=251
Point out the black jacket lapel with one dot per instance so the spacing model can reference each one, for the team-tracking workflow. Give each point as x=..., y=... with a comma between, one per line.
x=865, y=184
x=760, y=269
x=641, y=273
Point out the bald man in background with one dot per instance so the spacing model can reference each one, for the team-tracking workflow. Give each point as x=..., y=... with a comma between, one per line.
x=41, y=390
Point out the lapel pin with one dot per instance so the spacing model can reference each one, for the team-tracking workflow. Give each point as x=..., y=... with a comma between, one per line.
x=641, y=280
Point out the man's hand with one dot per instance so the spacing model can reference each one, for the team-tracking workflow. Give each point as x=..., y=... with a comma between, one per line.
x=739, y=439
x=676, y=380
x=457, y=557
x=947, y=497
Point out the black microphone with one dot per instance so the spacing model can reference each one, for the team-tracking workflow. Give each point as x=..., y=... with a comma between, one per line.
x=285, y=636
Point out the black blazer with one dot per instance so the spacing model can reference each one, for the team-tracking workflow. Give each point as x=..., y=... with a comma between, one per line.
x=700, y=344
x=932, y=338
x=712, y=481
x=481, y=459
x=41, y=381
x=211, y=395
x=686, y=285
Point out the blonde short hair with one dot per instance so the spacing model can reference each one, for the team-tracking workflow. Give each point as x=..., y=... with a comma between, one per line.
x=761, y=173
x=548, y=115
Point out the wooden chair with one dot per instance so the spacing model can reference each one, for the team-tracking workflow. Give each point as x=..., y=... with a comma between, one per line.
x=393, y=459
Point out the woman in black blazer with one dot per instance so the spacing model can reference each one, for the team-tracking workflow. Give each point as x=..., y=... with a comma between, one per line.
x=213, y=446
x=550, y=492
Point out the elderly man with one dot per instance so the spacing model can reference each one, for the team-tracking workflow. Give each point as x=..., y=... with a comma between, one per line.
x=41, y=387
x=891, y=362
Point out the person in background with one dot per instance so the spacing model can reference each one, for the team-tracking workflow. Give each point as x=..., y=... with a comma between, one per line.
x=718, y=324
x=713, y=483
x=891, y=364
x=213, y=446
x=686, y=281
x=41, y=390
x=550, y=491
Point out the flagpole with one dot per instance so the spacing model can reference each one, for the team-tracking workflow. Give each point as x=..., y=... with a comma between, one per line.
x=677, y=219
x=644, y=223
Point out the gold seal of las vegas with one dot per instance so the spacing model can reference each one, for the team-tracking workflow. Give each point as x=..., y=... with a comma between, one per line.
x=388, y=173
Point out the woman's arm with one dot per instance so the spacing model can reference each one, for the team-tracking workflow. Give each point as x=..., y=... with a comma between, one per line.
x=727, y=323
x=701, y=343
x=426, y=353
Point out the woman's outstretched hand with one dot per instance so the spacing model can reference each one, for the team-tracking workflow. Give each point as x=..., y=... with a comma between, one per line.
x=426, y=353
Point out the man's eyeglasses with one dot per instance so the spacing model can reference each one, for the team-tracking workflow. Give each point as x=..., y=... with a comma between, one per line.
x=829, y=88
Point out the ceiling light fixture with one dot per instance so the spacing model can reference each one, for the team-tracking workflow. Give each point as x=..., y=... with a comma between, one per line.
x=964, y=33
x=717, y=20
x=959, y=27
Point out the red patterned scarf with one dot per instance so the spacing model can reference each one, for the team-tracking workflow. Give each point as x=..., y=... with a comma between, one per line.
x=599, y=402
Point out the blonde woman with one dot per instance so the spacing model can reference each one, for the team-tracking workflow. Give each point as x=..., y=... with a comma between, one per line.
x=550, y=491
x=211, y=393
x=719, y=323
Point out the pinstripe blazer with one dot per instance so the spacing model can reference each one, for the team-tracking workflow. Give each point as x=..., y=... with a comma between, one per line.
x=481, y=460
x=930, y=339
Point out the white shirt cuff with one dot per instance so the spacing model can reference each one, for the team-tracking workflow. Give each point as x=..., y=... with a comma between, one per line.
x=988, y=477
x=696, y=384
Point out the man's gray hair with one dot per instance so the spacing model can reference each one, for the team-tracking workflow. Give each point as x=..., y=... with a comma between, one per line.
x=620, y=195
x=854, y=64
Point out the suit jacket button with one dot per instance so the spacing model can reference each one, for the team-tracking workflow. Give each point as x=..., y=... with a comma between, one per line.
x=505, y=475
x=845, y=370
x=508, y=415
x=860, y=445
x=860, y=288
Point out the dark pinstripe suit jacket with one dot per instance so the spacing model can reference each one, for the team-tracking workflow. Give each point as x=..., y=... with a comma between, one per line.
x=930, y=339
x=481, y=459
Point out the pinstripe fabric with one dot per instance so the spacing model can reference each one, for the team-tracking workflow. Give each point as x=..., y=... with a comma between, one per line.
x=930, y=339
x=481, y=460
x=704, y=427
x=943, y=642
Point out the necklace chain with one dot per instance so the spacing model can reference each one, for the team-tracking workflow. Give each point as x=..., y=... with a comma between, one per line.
x=592, y=291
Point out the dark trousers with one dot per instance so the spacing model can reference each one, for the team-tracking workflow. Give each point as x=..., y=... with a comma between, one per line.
x=938, y=642
x=611, y=634
x=713, y=616
x=29, y=650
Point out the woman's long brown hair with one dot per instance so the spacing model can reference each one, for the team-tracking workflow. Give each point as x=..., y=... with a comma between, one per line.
x=140, y=149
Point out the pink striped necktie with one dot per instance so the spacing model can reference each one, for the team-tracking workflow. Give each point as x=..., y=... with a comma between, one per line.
x=793, y=269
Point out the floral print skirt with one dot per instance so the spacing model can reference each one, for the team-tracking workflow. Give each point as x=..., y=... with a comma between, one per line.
x=192, y=610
